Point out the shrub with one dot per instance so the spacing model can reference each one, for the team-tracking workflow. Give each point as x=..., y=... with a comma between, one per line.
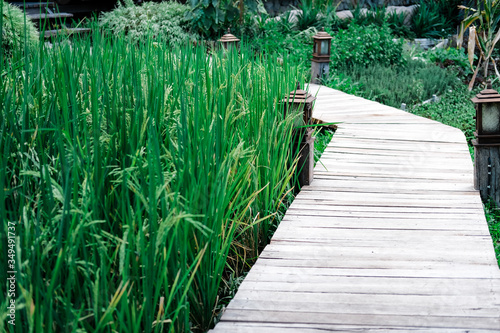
x=393, y=85
x=166, y=20
x=309, y=16
x=365, y=45
x=271, y=36
x=396, y=23
x=428, y=22
x=14, y=29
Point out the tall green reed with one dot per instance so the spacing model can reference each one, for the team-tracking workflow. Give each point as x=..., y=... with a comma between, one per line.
x=139, y=177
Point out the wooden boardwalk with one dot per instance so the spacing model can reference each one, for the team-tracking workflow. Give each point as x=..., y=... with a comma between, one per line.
x=390, y=237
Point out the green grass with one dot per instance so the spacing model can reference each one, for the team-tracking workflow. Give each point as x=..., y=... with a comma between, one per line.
x=493, y=218
x=323, y=137
x=140, y=178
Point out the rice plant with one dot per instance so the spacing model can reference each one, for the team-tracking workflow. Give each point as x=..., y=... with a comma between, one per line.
x=134, y=174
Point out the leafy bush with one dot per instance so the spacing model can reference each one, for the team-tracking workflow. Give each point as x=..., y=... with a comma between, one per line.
x=374, y=15
x=396, y=23
x=273, y=36
x=14, y=29
x=211, y=17
x=452, y=58
x=428, y=22
x=309, y=16
x=166, y=20
x=365, y=45
x=394, y=85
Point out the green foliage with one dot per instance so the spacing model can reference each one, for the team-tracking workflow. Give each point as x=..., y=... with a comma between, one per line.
x=278, y=36
x=399, y=28
x=394, y=85
x=165, y=20
x=365, y=46
x=449, y=10
x=373, y=15
x=486, y=15
x=211, y=18
x=16, y=29
x=309, y=16
x=452, y=58
x=428, y=22
x=493, y=218
x=454, y=108
x=323, y=136
x=134, y=173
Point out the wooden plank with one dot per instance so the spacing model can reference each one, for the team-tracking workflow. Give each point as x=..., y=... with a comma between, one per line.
x=29, y=5
x=332, y=306
x=371, y=151
x=323, y=211
x=65, y=31
x=387, y=321
x=318, y=250
x=369, y=286
x=371, y=201
x=462, y=301
x=457, y=210
x=380, y=223
x=247, y=327
x=43, y=16
x=374, y=272
x=403, y=186
x=450, y=195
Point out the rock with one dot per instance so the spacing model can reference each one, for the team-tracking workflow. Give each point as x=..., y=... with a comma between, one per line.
x=408, y=11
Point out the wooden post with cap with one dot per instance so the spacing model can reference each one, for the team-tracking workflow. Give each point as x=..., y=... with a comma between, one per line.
x=487, y=144
x=301, y=101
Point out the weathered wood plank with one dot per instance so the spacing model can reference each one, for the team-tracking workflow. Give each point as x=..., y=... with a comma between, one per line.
x=374, y=272
x=246, y=327
x=334, y=307
x=386, y=321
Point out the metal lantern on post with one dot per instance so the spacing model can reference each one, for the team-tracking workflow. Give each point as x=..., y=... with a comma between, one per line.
x=487, y=144
x=300, y=100
x=229, y=41
x=320, y=65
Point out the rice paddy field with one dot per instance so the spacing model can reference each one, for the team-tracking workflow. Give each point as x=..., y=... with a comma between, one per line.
x=140, y=180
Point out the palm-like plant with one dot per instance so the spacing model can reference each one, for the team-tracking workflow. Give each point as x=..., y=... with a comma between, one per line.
x=484, y=31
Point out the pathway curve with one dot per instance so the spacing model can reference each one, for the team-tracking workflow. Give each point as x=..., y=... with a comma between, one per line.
x=390, y=236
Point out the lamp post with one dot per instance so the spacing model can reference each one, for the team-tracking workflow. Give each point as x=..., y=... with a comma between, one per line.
x=487, y=144
x=320, y=65
x=301, y=101
x=229, y=41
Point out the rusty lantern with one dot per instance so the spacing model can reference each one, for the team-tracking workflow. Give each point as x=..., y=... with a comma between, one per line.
x=229, y=41
x=487, y=116
x=299, y=99
x=322, y=46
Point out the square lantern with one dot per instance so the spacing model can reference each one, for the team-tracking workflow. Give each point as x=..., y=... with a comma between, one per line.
x=299, y=99
x=322, y=46
x=487, y=116
x=229, y=41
